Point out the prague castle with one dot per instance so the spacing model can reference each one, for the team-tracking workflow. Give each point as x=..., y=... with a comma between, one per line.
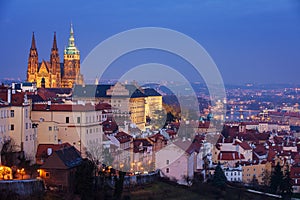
x=53, y=73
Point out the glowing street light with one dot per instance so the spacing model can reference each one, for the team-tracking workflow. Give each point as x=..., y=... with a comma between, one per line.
x=21, y=172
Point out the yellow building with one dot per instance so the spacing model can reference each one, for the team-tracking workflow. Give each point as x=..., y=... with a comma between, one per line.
x=126, y=100
x=153, y=102
x=76, y=124
x=259, y=171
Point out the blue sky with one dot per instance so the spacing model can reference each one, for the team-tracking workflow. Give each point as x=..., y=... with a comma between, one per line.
x=250, y=41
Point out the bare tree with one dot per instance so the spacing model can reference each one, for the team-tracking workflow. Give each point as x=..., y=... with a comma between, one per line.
x=94, y=152
x=8, y=152
x=266, y=177
x=10, y=146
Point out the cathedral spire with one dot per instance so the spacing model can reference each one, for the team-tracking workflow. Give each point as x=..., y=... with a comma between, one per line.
x=71, y=38
x=33, y=46
x=71, y=48
x=71, y=30
x=54, y=47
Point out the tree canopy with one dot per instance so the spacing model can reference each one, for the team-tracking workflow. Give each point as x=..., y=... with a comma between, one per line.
x=84, y=179
x=276, y=179
x=287, y=184
x=219, y=178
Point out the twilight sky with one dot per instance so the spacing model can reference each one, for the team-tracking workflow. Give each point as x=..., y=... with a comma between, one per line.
x=250, y=41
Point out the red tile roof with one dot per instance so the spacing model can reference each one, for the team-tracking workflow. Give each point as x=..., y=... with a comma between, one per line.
x=109, y=126
x=260, y=150
x=46, y=94
x=17, y=99
x=68, y=107
x=171, y=132
x=243, y=144
x=3, y=92
x=123, y=137
x=140, y=145
x=230, y=155
x=156, y=137
x=249, y=123
x=271, y=155
x=42, y=149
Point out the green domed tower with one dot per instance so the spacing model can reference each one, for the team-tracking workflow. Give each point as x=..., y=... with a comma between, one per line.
x=71, y=70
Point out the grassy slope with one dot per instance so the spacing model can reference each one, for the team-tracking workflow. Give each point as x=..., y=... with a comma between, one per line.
x=162, y=190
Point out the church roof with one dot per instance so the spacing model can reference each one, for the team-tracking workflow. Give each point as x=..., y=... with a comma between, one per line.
x=151, y=92
x=44, y=65
x=100, y=91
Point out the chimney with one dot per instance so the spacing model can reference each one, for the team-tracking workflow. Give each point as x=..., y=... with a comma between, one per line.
x=9, y=95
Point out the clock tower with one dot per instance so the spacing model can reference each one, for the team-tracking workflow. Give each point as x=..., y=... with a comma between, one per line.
x=71, y=74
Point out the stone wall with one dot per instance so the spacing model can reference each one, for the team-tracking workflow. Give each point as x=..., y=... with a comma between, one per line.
x=21, y=188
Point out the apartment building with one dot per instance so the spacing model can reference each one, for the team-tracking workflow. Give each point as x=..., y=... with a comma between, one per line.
x=77, y=124
x=126, y=100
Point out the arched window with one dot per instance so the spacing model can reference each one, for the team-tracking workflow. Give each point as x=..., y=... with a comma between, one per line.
x=43, y=83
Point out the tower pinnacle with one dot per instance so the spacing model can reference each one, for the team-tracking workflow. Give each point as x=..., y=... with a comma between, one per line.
x=54, y=46
x=33, y=46
x=71, y=30
x=71, y=48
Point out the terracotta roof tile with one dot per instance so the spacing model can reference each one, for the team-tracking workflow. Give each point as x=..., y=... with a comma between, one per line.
x=230, y=155
x=123, y=137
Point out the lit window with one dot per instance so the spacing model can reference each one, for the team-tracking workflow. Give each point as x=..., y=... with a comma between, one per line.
x=47, y=174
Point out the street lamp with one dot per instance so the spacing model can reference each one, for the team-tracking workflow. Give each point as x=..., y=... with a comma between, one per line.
x=21, y=172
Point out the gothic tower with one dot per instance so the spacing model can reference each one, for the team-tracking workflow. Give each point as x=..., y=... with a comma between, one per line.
x=33, y=62
x=55, y=65
x=71, y=74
